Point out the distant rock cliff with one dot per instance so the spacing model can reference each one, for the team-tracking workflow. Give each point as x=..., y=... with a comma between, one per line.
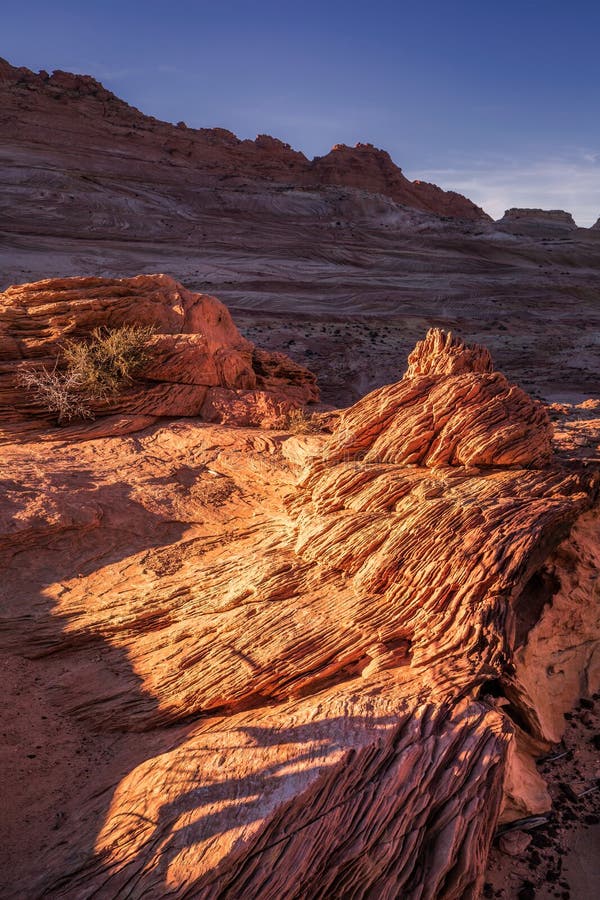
x=75, y=112
x=536, y=222
x=370, y=169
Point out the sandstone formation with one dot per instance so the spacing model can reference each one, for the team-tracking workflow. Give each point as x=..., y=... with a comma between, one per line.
x=471, y=415
x=30, y=100
x=200, y=364
x=333, y=643
x=370, y=169
x=559, y=216
x=343, y=279
x=537, y=222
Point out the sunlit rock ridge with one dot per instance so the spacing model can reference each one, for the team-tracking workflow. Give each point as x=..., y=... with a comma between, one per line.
x=301, y=666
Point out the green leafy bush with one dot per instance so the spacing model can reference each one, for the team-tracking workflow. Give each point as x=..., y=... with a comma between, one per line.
x=107, y=363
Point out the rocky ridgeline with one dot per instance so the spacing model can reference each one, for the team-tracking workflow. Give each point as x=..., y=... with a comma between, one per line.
x=44, y=109
x=334, y=643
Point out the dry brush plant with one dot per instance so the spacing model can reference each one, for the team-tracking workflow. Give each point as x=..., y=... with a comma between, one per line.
x=297, y=421
x=89, y=372
x=59, y=392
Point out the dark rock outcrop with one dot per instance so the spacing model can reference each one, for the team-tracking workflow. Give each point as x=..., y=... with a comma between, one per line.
x=537, y=222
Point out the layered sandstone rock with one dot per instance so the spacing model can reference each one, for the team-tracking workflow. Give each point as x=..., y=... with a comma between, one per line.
x=368, y=168
x=450, y=409
x=334, y=628
x=89, y=185
x=30, y=104
x=537, y=222
x=200, y=364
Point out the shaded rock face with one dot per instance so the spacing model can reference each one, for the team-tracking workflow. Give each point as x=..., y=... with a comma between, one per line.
x=200, y=364
x=537, y=222
x=319, y=637
x=93, y=112
x=551, y=215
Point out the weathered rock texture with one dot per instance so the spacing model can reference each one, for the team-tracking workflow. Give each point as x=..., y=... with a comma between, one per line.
x=537, y=222
x=451, y=409
x=369, y=169
x=200, y=364
x=324, y=640
x=343, y=279
x=55, y=100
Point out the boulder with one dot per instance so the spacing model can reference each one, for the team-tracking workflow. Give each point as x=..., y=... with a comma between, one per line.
x=196, y=348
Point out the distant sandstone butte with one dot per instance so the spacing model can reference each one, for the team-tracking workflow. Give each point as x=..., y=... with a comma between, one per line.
x=92, y=118
x=201, y=365
x=367, y=168
x=537, y=222
x=551, y=215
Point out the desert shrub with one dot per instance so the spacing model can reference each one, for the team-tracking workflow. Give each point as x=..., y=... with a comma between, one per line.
x=108, y=362
x=58, y=392
x=297, y=421
x=88, y=372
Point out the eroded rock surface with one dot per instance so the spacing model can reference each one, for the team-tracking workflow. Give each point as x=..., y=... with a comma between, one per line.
x=312, y=653
x=206, y=152
x=200, y=364
x=312, y=259
x=551, y=223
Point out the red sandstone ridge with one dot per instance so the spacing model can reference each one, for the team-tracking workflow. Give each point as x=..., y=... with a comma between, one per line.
x=334, y=644
x=200, y=364
x=44, y=109
x=463, y=412
x=368, y=168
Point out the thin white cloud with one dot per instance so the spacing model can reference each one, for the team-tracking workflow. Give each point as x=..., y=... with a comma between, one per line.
x=569, y=183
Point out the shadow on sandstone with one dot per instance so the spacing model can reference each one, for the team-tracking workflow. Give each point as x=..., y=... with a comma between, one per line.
x=79, y=675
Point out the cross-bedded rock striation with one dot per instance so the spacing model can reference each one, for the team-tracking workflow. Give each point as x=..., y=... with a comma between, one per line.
x=323, y=638
x=200, y=365
x=40, y=108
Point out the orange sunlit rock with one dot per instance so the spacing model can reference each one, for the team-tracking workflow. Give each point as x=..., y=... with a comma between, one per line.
x=195, y=351
x=308, y=665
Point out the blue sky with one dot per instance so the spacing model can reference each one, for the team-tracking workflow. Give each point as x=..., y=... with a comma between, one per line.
x=497, y=98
